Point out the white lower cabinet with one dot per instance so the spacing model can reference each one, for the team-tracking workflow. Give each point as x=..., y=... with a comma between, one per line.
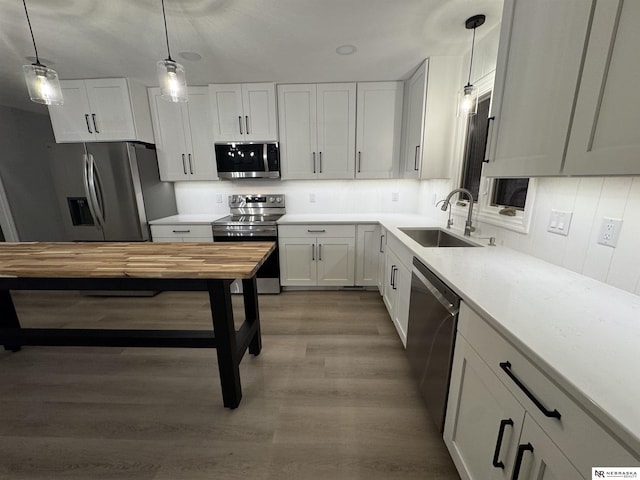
x=507, y=420
x=397, y=287
x=317, y=255
x=182, y=232
x=368, y=247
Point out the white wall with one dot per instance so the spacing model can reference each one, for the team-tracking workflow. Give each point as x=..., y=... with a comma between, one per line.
x=331, y=196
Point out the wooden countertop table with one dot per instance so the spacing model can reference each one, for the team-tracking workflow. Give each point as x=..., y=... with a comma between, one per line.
x=139, y=266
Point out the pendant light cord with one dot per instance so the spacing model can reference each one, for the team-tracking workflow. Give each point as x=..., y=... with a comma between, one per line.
x=166, y=32
x=31, y=31
x=470, y=61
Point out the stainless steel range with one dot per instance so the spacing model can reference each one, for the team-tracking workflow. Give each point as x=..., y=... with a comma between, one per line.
x=253, y=219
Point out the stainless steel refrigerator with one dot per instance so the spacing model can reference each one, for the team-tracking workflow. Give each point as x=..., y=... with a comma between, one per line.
x=109, y=191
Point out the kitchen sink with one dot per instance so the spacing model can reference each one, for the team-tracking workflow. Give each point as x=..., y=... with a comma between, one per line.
x=435, y=237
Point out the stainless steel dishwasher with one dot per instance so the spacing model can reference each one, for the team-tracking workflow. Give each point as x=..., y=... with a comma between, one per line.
x=433, y=317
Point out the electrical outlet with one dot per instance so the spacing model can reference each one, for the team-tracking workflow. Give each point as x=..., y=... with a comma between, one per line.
x=218, y=198
x=610, y=231
x=395, y=196
x=312, y=198
x=559, y=222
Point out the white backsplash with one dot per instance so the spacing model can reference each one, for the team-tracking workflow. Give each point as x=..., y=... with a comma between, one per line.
x=590, y=199
x=331, y=196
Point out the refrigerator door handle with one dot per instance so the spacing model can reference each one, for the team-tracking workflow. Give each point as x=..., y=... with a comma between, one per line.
x=93, y=193
x=87, y=189
x=102, y=209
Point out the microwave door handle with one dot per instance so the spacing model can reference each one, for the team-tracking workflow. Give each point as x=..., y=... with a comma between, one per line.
x=265, y=158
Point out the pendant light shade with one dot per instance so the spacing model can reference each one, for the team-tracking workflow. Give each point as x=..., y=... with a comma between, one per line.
x=171, y=77
x=42, y=81
x=468, y=96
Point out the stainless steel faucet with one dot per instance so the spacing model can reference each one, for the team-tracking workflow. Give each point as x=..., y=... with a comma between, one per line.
x=468, y=228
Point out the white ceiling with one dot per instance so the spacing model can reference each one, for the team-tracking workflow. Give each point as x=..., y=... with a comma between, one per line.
x=239, y=40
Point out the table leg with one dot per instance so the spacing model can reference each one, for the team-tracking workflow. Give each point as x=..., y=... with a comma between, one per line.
x=8, y=316
x=252, y=313
x=226, y=347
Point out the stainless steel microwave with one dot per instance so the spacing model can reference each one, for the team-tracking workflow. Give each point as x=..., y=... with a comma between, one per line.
x=247, y=160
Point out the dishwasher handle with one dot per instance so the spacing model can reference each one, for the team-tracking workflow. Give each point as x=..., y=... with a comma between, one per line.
x=444, y=301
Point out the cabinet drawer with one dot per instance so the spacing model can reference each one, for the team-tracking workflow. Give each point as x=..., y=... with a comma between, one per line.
x=317, y=231
x=576, y=433
x=404, y=254
x=179, y=231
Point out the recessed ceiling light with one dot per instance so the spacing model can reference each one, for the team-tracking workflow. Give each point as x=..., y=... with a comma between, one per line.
x=43, y=60
x=346, y=50
x=191, y=56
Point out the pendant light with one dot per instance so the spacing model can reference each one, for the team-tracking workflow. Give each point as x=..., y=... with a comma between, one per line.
x=173, y=83
x=42, y=82
x=468, y=97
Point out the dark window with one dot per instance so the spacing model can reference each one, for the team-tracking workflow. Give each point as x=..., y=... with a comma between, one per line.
x=507, y=192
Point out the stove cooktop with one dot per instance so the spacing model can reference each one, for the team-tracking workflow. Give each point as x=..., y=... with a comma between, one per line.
x=269, y=219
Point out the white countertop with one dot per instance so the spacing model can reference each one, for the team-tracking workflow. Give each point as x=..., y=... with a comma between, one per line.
x=582, y=333
x=202, y=219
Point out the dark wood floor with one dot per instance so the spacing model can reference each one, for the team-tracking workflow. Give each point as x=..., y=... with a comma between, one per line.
x=330, y=397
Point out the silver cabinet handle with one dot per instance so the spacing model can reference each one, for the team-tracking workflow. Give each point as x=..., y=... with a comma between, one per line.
x=240, y=124
x=95, y=126
x=415, y=159
x=381, y=238
x=313, y=251
x=359, y=161
x=394, y=270
x=86, y=119
x=314, y=162
x=320, y=162
x=320, y=251
x=246, y=123
x=184, y=165
x=316, y=231
x=181, y=231
x=190, y=165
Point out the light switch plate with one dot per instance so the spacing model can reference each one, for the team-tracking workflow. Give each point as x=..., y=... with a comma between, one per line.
x=395, y=196
x=610, y=231
x=312, y=198
x=218, y=198
x=559, y=222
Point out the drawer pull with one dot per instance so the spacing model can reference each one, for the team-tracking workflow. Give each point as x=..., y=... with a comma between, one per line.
x=496, y=455
x=316, y=231
x=181, y=231
x=506, y=366
x=521, y=449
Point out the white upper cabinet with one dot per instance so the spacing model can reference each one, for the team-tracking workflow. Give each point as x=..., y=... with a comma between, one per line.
x=102, y=110
x=244, y=112
x=564, y=101
x=378, y=129
x=317, y=130
x=430, y=118
x=183, y=136
x=604, y=136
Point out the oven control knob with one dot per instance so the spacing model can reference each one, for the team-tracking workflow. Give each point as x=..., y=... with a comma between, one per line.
x=278, y=199
x=271, y=199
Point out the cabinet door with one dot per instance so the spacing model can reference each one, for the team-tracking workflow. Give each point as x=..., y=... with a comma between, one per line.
x=111, y=110
x=336, y=261
x=541, y=47
x=259, y=107
x=298, y=264
x=71, y=121
x=298, y=136
x=414, y=115
x=479, y=409
x=540, y=458
x=379, y=120
x=381, y=260
x=604, y=136
x=401, y=312
x=168, y=120
x=226, y=111
x=336, y=107
x=367, y=253
x=201, y=160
